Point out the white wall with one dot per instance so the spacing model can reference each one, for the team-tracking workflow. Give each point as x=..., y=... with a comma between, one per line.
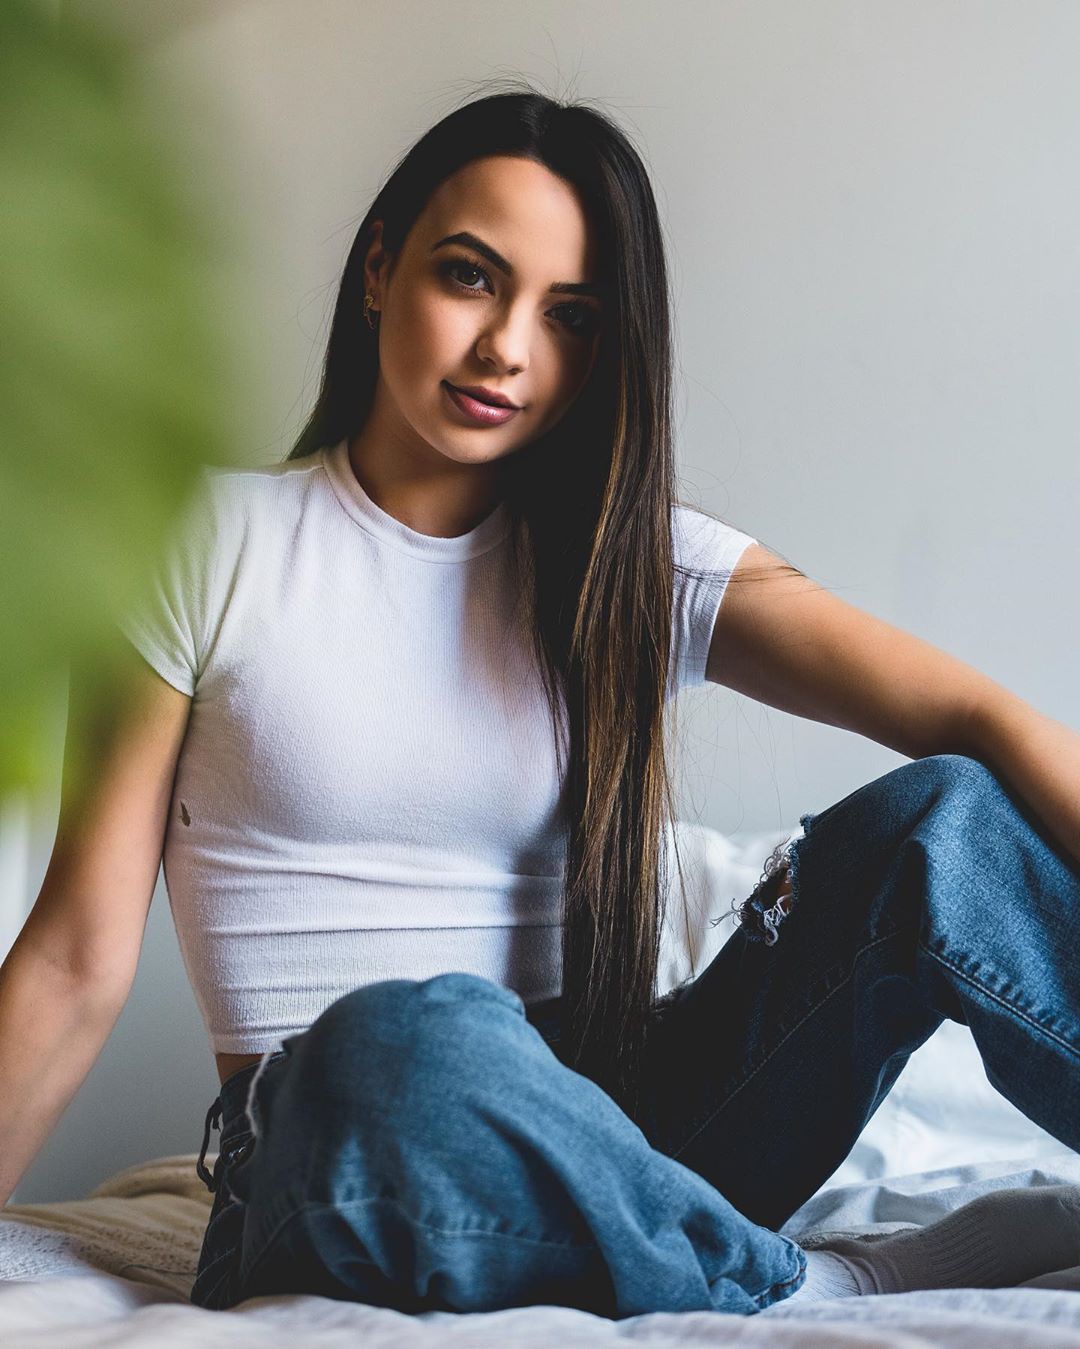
x=873, y=213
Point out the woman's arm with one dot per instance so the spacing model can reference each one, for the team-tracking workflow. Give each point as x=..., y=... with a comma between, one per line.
x=1038, y=757
x=782, y=639
x=67, y=976
x=785, y=641
x=53, y=1026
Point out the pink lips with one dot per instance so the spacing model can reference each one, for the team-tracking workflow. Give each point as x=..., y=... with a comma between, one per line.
x=480, y=414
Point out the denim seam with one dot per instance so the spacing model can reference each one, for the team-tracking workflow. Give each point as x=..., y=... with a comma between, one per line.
x=217, y=1269
x=759, y=1298
x=800, y=1274
x=812, y=1011
x=310, y=1205
x=226, y=1252
x=996, y=997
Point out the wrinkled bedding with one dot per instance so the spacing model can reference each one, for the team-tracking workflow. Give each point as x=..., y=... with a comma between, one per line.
x=116, y=1268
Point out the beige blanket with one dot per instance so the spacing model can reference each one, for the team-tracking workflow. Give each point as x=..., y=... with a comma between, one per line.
x=144, y=1223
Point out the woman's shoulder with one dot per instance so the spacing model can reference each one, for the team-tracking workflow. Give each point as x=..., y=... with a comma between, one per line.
x=263, y=476
x=243, y=495
x=703, y=540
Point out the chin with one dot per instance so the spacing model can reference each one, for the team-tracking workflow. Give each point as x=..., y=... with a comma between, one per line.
x=461, y=452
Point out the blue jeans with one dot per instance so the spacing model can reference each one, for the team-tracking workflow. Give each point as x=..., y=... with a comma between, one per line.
x=422, y=1145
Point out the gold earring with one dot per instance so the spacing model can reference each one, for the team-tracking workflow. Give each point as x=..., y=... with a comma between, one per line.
x=369, y=300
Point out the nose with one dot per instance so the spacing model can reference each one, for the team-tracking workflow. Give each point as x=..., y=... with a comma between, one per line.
x=504, y=345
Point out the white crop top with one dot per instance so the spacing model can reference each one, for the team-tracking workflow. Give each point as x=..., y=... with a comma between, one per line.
x=367, y=788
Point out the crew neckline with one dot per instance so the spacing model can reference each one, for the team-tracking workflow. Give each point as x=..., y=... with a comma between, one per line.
x=491, y=530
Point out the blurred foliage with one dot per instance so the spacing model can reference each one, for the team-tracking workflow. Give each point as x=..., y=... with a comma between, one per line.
x=116, y=373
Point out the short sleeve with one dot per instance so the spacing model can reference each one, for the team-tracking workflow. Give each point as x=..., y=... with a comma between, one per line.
x=168, y=624
x=714, y=548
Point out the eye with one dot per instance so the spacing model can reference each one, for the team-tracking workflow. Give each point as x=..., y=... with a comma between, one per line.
x=587, y=319
x=459, y=265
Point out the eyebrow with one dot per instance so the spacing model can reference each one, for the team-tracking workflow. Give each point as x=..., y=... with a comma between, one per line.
x=497, y=259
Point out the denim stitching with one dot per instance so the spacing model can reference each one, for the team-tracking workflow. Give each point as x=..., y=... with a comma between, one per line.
x=759, y=1298
x=780, y=1043
x=996, y=997
x=215, y=1273
x=318, y=1204
x=800, y=1273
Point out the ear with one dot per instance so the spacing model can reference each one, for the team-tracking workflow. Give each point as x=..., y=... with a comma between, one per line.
x=377, y=261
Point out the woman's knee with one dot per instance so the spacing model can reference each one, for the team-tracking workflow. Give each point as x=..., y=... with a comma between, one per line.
x=390, y=1068
x=948, y=800
x=387, y=1032
x=956, y=774
x=949, y=788
x=970, y=807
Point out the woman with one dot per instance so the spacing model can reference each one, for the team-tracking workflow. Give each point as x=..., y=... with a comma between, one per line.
x=414, y=848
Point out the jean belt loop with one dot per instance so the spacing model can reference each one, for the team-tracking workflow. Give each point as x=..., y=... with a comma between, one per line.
x=213, y=1118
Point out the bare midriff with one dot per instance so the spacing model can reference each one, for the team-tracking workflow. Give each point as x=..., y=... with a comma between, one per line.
x=227, y=1064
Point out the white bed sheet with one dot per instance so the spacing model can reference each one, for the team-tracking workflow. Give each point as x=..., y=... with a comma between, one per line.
x=115, y=1269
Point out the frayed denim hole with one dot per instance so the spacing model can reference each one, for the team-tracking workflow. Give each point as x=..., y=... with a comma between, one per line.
x=761, y=914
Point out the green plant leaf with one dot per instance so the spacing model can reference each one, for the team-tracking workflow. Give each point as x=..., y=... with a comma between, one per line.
x=117, y=373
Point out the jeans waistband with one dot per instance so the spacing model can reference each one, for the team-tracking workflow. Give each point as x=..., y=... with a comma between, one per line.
x=228, y=1112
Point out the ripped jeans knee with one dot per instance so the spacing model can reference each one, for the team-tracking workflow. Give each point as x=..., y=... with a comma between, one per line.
x=761, y=914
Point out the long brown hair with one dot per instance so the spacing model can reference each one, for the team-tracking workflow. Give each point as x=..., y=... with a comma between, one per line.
x=590, y=506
